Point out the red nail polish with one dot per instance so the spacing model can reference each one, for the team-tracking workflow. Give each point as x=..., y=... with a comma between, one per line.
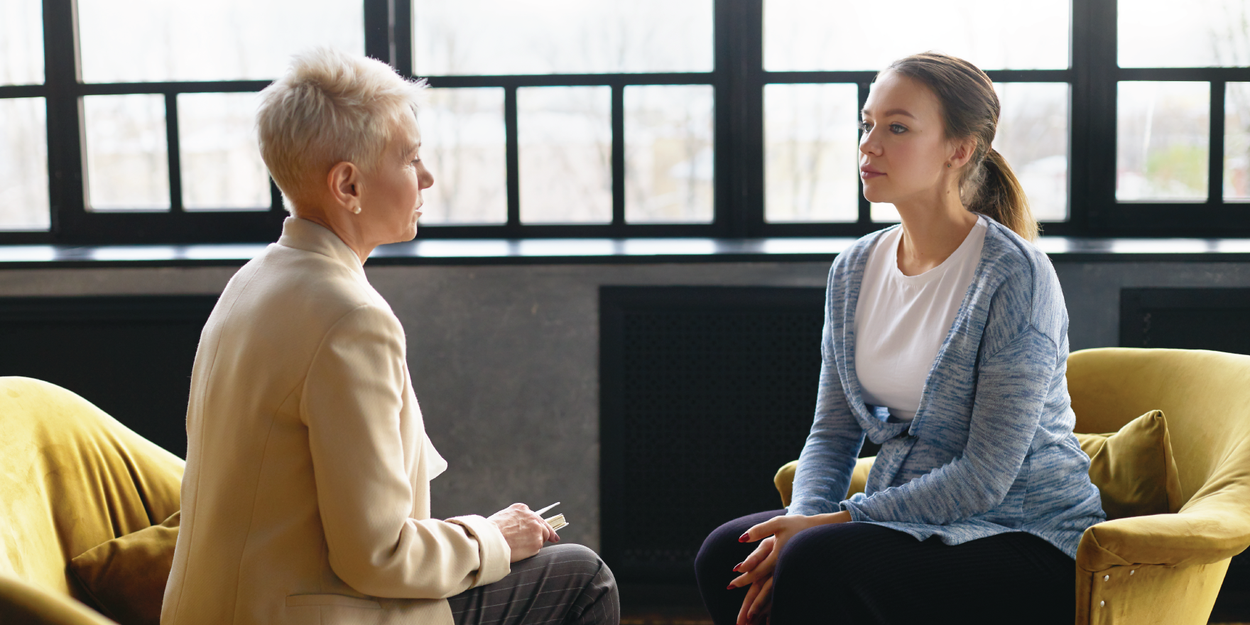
x=729, y=587
x=744, y=537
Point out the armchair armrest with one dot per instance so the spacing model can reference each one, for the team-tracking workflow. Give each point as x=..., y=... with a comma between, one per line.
x=1200, y=534
x=784, y=480
x=23, y=603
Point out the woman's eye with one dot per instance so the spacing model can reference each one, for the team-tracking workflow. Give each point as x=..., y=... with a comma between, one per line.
x=865, y=126
x=898, y=129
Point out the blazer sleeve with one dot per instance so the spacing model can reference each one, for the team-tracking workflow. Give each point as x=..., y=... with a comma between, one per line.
x=829, y=454
x=1007, y=407
x=351, y=404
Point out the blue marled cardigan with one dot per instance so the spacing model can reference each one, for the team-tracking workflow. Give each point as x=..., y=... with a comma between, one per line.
x=991, y=448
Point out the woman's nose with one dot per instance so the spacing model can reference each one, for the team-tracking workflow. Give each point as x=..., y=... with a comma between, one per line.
x=868, y=144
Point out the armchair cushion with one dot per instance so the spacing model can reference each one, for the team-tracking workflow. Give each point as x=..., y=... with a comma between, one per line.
x=126, y=576
x=1134, y=468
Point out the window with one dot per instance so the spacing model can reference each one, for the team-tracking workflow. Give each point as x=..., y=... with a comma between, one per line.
x=720, y=118
x=1181, y=113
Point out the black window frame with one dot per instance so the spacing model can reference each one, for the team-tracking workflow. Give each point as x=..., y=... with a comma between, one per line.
x=738, y=80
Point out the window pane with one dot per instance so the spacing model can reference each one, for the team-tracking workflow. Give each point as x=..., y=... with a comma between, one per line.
x=156, y=40
x=463, y=144
x=561, y=36
x=1163, y=140
x=1198, y=33
x=21, y=42
x=811, y=159
x=1237, y=141
x=669, y=154
x=219, y=156
x=884, y=213
x=127, y=158
x=1033, y=137
x=821, y=35
x=565, y=142
x=24, y=165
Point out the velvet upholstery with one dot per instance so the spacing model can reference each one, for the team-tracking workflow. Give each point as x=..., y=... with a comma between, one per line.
x=1134, y=468
x=1168, y=567
x=125, y=577
x=71, y=478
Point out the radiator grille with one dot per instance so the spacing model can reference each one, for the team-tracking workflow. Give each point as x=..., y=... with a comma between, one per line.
x=706, y=392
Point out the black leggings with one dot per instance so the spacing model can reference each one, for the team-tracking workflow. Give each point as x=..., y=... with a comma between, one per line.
x=853, y=573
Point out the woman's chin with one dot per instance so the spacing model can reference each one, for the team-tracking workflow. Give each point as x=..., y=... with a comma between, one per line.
x=874, y=195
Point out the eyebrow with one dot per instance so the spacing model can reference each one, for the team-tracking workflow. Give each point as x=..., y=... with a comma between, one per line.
x=890, y=112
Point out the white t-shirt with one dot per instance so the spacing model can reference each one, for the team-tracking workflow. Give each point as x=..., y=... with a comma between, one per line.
x=901, y=321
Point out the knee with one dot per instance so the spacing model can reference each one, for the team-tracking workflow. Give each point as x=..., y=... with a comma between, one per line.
x=580, y=561
x=721, y=545
x=806, y=557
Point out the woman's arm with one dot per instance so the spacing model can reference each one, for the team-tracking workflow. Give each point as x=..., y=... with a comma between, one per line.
x=1011, y=389
x=828, y=456
x=352, y=400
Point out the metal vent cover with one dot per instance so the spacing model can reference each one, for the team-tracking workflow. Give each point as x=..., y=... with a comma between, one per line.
x=705, y=392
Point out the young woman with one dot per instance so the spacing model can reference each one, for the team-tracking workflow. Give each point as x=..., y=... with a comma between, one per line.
x=945, y=342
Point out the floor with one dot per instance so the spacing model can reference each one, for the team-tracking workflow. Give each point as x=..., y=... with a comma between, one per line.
x=658, y=604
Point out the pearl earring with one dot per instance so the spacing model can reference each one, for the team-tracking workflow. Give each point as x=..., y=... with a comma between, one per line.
x=356, y=209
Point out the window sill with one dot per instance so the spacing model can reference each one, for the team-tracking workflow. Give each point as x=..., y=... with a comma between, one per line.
x=601, y=251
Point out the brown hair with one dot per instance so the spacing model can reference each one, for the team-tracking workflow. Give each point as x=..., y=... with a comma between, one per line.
x=970, y=110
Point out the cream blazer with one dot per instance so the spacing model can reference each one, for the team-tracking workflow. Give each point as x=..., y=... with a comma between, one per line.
x=306, y=495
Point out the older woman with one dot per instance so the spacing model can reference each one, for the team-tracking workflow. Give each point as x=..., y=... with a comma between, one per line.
x=306, y=493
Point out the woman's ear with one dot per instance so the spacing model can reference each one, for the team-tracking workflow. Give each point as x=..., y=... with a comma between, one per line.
x=345, y=181
x=962, y=152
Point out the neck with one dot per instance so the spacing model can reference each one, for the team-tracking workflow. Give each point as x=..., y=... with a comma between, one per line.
x=340, y=223
x=932, y=231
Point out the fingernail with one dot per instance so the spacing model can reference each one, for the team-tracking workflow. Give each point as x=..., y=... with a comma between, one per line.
x=735, y=569
x=743, y=538
x=730, y=586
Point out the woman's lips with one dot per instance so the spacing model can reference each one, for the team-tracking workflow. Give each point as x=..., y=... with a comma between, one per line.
x=868, y=173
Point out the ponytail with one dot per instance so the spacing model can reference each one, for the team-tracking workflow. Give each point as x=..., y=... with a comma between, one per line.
x=993, y=190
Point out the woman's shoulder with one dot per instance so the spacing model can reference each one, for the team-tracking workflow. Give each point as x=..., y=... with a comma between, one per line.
x=854, y=256
x=1024, y=281
x=303, y=286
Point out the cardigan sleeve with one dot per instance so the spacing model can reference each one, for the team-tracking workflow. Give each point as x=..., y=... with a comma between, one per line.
x=351, y=404
x=829, y=454
x=1011, y=388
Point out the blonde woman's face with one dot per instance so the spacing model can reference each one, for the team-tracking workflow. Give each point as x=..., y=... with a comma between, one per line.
x=903, y=150
x=391, y=198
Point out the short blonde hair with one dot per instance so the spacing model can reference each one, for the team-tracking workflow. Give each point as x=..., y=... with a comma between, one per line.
x=329, y=107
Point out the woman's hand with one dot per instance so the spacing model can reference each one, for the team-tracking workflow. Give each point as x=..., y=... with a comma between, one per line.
x=524, y=530
x=757, y=569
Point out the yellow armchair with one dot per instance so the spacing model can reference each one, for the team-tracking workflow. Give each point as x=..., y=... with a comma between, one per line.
x=71, y=478
x=1159, y=568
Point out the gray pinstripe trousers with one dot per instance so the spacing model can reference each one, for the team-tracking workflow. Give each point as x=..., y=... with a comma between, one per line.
x=564, y=584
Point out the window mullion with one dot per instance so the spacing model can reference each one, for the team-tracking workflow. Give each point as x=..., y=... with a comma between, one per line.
x=1215, y=160
x=618, y=155
x=1092, y=146
x=65, y=158
x=739, y=54
x=512, y=158
x=173, y=152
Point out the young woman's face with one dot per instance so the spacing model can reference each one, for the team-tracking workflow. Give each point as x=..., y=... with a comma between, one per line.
x=904, y=149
